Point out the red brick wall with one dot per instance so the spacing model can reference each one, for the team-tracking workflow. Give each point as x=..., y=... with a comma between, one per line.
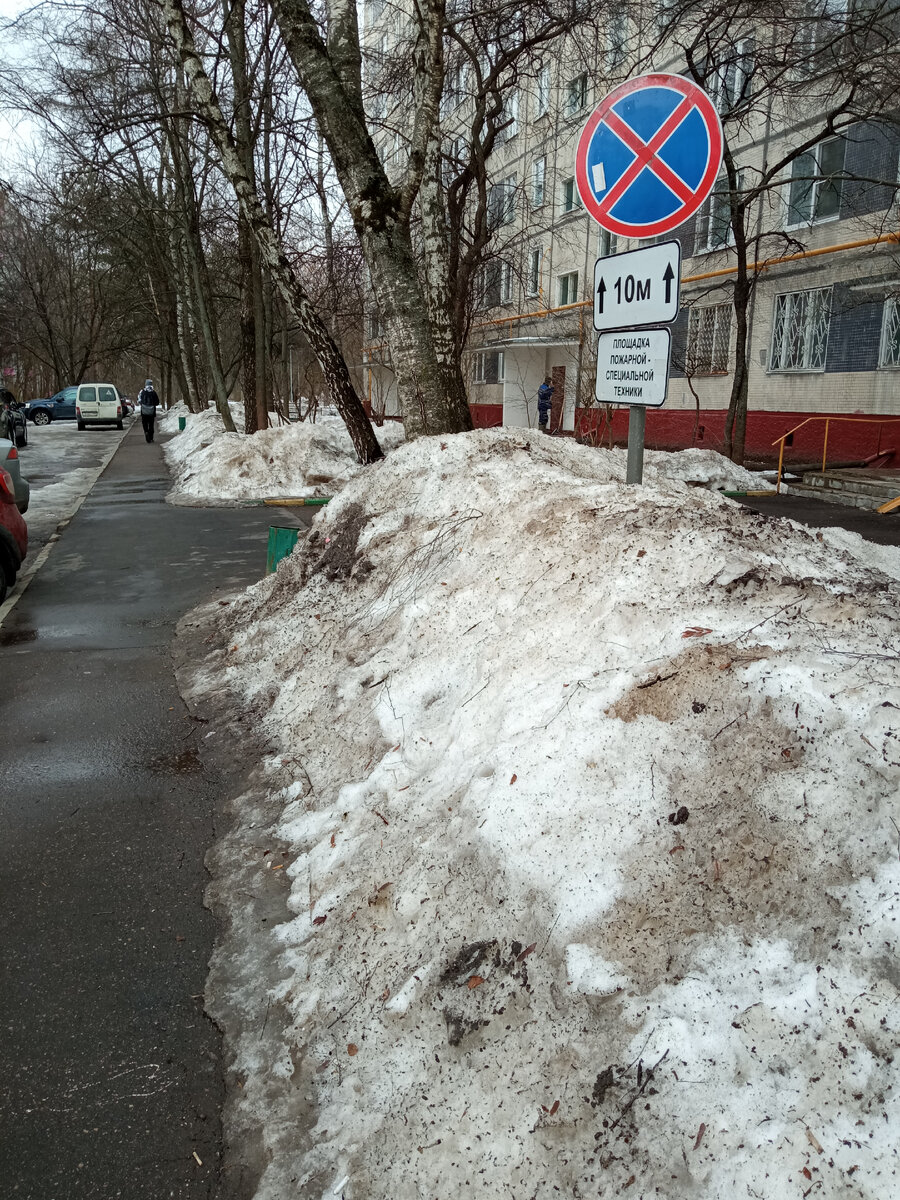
x=673, y=429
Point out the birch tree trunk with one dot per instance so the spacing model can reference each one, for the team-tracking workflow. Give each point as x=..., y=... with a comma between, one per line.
x=334, y=368
x=331, y=77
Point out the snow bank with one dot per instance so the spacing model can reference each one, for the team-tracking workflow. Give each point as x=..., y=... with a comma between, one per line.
x=211, y=466
x=588, y=845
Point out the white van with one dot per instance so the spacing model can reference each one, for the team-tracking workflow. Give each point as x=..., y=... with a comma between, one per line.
x=98, y=404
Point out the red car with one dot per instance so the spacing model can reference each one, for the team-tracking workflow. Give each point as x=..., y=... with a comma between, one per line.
x=13, y=534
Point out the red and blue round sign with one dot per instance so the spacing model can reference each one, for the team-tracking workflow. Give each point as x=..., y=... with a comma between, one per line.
x=649, y=155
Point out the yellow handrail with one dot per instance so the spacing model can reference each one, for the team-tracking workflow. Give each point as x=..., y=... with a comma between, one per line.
x=858, y=420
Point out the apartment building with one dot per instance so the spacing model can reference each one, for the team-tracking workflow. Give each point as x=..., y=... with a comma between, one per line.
x=823, y=311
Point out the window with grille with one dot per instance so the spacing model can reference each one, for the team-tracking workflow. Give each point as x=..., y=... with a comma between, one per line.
x=538, y=172
x=713, y=229
x=489, y=366
x=576, y=95
x=709, y=334
x=800, y=330
x=568, y=288
x=542, y=95
x=816, y=184
x=534, y=271
x=570, y=198
x=889, y=350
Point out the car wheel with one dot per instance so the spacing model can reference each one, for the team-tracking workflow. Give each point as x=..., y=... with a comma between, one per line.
x=81, y=425
x=42, y=418
x=119, y=425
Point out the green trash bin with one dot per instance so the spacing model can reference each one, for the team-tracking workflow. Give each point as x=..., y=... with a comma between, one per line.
x=182, y=421
x=282, y=540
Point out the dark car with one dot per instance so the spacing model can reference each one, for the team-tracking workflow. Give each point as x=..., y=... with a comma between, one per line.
x=18, y=432
x=60, y=407
x=13, y=534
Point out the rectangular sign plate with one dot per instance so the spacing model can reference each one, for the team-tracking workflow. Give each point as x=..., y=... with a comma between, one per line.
x=639, y=287
x=633, y=367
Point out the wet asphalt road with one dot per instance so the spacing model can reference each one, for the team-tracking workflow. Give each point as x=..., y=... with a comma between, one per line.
x=110, y=1076
x=874, y=527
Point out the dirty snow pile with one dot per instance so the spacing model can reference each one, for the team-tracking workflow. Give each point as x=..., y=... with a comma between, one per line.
x=578, y=870
x=210, y=466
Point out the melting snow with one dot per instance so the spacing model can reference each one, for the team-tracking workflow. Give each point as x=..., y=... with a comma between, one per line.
x=210, y=466
x=587, y=798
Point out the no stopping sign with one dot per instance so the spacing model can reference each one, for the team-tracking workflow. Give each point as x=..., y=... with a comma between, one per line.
x=649, y=155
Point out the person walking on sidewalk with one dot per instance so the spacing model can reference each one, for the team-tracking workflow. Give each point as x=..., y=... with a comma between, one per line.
x=149, y=402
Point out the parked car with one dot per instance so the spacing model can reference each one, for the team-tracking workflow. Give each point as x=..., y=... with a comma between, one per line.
x=9, y=462
x=98, y=404
x=60, y=407
x=13, y=533
x=19, y=433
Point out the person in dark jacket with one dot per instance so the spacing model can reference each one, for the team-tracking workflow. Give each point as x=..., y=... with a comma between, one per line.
x=545, y=403
x=149, y=402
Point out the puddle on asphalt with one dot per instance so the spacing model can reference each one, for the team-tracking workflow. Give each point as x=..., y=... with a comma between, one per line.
x=185, y=762
x=15, y=637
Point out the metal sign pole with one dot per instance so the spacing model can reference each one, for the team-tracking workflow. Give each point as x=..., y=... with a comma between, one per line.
x=637, y=422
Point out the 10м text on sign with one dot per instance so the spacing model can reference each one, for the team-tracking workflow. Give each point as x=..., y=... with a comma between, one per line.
x=639, y=287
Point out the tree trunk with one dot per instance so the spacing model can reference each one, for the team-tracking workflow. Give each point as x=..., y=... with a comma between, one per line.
x=331, y=360
x=248, y=331
x=331, y=78
x=736, y=418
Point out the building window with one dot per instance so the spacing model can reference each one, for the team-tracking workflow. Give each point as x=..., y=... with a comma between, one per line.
x=494, y=284
x=570, y=198
x=535, y=259
x=713, y=230
x=709, y=334
x=454, y=89
x=576, y=95
x=728, y=82
x=816, y=184
x=816, y=34
x=616, y=37
x=489, y=366
x=665, y=13
x=568, y=288
x=376, y=326
x=542, y=95
x=609, y=243
x=502, y=202
x=509, y=118
x=800, y=330
x=538, y=171
x=889, y=351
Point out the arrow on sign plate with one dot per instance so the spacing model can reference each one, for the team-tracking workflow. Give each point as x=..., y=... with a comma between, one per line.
x=667, y=279
x=601, y=292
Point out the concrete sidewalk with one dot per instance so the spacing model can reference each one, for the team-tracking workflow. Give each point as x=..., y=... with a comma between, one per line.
x=110, y=1075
